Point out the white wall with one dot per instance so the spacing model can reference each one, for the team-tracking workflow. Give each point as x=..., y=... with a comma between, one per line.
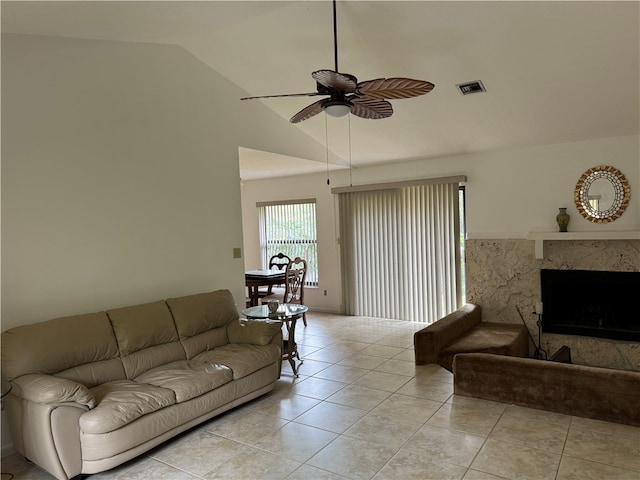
x=509, y=193
x=115, y=189
x=120, y=177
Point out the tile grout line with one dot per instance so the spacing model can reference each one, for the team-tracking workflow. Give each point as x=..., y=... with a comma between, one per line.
x=409, y=439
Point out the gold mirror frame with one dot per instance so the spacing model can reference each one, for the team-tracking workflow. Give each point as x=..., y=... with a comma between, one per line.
x=621, y=189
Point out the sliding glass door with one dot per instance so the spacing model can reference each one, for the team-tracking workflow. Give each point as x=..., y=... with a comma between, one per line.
x=401, y=251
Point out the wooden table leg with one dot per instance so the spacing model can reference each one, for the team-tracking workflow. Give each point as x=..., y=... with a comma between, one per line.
x=292, y=346
x=253, y=294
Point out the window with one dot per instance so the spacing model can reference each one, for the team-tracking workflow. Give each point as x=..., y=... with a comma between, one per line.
x=290, y=228
x=402, y=248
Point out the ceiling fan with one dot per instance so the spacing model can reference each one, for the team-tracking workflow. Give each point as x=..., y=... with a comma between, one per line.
x=368, y=99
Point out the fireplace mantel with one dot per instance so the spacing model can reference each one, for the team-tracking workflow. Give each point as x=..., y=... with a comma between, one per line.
x=540, y=237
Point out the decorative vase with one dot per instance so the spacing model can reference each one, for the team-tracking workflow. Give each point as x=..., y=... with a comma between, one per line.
x=563, y=219
x=273, y=306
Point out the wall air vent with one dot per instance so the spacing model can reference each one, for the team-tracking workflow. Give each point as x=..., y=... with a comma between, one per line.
x=471, y=87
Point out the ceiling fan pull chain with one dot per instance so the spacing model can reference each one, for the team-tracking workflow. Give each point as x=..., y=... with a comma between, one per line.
x=350, y=167
x=326, y=141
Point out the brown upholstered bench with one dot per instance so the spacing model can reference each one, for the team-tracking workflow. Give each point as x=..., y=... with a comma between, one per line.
x=592, y=392
x=463, y=331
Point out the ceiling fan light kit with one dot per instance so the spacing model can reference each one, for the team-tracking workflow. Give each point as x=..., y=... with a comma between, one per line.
x=368, y=99
x=337, y=108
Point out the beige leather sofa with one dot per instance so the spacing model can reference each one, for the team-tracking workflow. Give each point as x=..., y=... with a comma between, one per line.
x=93, y=391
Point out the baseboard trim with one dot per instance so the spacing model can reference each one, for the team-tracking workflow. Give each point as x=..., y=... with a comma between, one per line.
x=323, y=310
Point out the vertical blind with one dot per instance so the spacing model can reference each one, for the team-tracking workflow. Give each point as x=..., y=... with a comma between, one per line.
x=290, y=228
x=400, y=251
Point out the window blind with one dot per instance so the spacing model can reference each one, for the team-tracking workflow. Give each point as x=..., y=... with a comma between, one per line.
x=401, y=251
x=290, y=228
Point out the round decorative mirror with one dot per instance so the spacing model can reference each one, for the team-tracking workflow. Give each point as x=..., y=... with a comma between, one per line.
x=602, y=194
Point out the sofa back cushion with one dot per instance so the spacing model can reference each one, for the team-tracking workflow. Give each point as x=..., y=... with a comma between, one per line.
x=202, y=320
x=80, y=347
x=146, y=336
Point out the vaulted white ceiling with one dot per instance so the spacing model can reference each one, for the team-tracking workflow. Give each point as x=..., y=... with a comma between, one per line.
x=554, y=71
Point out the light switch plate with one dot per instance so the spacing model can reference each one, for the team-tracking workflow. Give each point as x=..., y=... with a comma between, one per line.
x=237, y=253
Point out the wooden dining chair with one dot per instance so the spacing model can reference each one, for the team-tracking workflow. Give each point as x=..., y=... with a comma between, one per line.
x=295, y=275
x=276, y=262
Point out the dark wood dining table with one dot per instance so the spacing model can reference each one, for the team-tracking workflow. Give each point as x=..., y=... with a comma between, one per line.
x=254, y=279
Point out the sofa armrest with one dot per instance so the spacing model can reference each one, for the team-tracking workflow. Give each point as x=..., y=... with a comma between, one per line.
x=430, y=340
x=255, y=332
x=40, y=388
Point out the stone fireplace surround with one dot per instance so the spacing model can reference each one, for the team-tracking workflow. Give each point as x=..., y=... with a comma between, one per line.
x=503, y=276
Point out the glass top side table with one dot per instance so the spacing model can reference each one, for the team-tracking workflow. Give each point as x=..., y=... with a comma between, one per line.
x=287, y=313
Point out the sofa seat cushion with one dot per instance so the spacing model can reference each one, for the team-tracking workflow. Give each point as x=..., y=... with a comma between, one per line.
x=187, y=378
x=486, y=337
x=242, y=359
x=121, y=402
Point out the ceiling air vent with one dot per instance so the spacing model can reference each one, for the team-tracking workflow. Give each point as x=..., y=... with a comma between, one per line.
x=471, y=87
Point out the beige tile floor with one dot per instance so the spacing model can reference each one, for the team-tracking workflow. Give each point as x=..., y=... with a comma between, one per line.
x=361, y=409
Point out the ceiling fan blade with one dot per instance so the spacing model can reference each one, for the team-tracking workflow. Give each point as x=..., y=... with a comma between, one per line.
x=338, y=81
x=308, y=111
x=372, y=108
x=311, y=94
x=394, y=88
